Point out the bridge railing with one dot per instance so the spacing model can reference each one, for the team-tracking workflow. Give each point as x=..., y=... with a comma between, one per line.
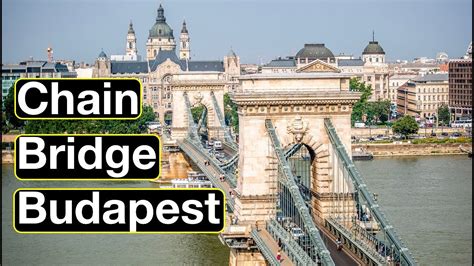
x=361, y=245
x=356, y=178
x=229, y=176
x=191, y=149
x=264, y=249
x=291, y=247
x=300, y=204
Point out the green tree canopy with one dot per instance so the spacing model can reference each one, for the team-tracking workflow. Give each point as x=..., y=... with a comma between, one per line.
x=197, y=112
x=92, y=126
x=230, y=113
x=360, y=108
x=444, y=116
x=11, y=121
x=406, y=125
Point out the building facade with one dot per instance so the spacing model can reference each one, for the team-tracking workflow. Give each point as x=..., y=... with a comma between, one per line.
x=376, y=70
x=370, y=68
x=32, y=69
x=460, y=88
x=395, y=81
x=163, y=65
x=421, y=96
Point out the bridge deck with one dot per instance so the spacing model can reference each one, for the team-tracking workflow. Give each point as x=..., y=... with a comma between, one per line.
x=273, y=246
x=199, y=159
x=340, y=257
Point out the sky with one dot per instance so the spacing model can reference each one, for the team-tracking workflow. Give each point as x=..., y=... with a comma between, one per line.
x=257, y=31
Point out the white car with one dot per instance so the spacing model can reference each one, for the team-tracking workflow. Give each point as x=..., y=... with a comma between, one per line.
x=296, y=232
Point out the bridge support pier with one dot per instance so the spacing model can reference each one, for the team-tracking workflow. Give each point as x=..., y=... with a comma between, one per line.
x=325, y=206
x=242, y=257
x=256, y=208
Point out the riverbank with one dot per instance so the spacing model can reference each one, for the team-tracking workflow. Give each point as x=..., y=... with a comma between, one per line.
x=409, y=149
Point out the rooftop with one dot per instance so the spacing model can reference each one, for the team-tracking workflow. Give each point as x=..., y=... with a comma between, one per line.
x=441, y=77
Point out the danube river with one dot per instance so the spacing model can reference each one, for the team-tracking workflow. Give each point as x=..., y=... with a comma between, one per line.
x=427, y=199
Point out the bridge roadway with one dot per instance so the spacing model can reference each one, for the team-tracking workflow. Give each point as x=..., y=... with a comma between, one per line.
x=340, y=257
x=213, y=170
x=273, y=246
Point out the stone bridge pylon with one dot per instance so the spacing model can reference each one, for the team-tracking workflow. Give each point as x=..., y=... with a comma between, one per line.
x=199, y=92
x=297, y=105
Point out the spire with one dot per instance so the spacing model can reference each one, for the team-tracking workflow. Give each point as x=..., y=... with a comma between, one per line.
x=231, y=53
x=161, y=15
x=184, y=29
x=130, y=28
x=373, y=35
x=102, y=54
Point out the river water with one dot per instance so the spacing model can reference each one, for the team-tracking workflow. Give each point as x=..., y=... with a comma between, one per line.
x=427, y=199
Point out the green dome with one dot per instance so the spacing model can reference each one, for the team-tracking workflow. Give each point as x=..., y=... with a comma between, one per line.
x=315, y=51
x=373, y=48
x=161, y=28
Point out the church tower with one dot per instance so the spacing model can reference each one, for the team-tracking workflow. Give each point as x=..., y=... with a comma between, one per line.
x=131, y=41
x=102, y=66
x=232, y=64
x=160, y=36
x=184, y=51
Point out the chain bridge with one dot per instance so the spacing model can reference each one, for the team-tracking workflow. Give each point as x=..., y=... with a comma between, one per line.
x=291, y=186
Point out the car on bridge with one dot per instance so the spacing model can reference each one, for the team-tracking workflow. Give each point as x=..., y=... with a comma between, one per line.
x=296, y=232
x=218, y=145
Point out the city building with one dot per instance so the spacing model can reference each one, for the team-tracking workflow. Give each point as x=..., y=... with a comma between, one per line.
x=163, y=65
x=460, y=88
x=131, y=51
x=280, y=65
x=376, y=70
x=32, y=69
x=394, y=82
x=370, y=68
x=421, y=96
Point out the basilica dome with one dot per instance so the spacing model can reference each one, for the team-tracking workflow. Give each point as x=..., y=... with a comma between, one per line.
x=161, y=29
x=314, y=51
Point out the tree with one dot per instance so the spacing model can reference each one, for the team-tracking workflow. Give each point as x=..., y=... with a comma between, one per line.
x=406, y=125
x=8, y=108
x=360, y=108
x=92, y=126
x=444, y=116
x=378, y=110
x=197, y=112
x=230, y=113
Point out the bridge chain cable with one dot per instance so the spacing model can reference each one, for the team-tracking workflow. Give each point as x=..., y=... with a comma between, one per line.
x=402, y=253
x=192, y=128
x=201, y=119
x=299, y=204
x=227, y=135
x=289, y=244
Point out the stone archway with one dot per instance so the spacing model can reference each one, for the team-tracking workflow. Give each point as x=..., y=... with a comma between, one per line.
x=321, y=169
x=197, y=93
